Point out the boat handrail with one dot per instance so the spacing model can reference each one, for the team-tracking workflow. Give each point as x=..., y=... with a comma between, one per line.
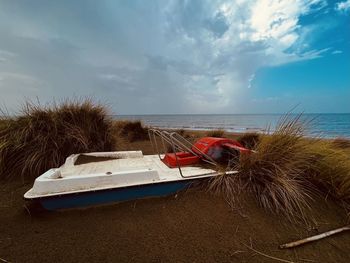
x=193, y=149
x=177, y=142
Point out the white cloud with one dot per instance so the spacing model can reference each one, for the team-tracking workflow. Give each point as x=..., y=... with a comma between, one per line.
x=151, y=57
x=6, y=55
x=343, y=6
x=277, y=22
x=250, y=80
x=335, y=52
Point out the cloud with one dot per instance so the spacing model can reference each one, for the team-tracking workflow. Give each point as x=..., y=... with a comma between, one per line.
x=149, y=57
x=250, y=80
x=337, y=52
x=343, y=6
x=6, y=55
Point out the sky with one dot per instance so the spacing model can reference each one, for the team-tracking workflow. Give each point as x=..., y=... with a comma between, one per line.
x=178, y=57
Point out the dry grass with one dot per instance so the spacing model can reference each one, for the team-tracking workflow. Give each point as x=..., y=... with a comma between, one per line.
x=330, y=169
x=288, y=168
x=181, y=132
x=341, y=143
x=3, y=123
x=216, y=133
x=228, y=186
x=42, y=137
x=275, y=173
x=249, y=140
x=131, y=130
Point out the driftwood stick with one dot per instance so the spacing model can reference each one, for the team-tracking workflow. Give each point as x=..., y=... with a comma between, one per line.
x=314, y=238
x=4, y=260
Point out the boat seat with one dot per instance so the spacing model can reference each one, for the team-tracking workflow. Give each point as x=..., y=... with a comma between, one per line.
x=173, y=160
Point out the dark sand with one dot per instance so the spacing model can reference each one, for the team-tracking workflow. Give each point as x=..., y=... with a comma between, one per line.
x=192, y=226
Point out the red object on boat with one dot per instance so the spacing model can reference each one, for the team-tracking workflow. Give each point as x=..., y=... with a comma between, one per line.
x=184, y=158
x=211, y=146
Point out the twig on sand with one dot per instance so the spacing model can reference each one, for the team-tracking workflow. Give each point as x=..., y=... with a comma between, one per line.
x=28, y=211
x=308, y=260
x=4, y=260
x=268, y=256
x=314, y=238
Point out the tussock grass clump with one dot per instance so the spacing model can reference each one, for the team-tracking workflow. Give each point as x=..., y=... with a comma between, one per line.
x=216, y=133
x=249, y=140
x=275, y=173
x=3, y=123
x=132, y=130
x=181, y=132
x=188, y=135
x=42, y=137
x=341, y=143
x=330, y=169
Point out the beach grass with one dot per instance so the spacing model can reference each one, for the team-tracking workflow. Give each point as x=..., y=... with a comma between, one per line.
x=249, y=139
x=216, y=133
x=42, y=137
x=274, y=173
x=288, y=169
x=330, y=168
x=341, y=143
x=131, y=130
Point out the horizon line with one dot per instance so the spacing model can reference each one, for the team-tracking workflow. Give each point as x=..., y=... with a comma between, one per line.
x=303, y=113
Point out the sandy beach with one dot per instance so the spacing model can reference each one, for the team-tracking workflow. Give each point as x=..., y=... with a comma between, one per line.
x=192, y=226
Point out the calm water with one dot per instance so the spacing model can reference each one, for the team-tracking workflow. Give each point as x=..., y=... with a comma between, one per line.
x=325, y=125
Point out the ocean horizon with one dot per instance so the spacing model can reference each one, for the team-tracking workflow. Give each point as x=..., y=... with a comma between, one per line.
x=325, y=125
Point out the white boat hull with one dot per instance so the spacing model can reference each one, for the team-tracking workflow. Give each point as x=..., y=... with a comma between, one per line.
x=126, y=175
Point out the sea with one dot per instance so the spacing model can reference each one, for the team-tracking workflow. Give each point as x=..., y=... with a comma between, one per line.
x=319, y=125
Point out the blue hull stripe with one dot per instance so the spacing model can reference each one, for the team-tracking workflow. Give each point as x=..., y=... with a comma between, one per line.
x=112, y=195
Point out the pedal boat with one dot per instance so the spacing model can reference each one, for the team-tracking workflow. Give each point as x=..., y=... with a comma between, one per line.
x=104, y=177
